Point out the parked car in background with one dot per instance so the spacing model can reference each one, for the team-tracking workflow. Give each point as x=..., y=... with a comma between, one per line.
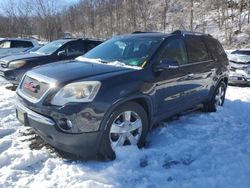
x=21, y=52
x=12, y=68
x=239, y=61
x=11, y=46
x=115, y=93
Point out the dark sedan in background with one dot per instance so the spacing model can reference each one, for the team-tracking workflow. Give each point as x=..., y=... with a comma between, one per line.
x=12, y=68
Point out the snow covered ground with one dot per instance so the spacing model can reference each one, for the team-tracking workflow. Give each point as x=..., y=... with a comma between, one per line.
x=196, y=150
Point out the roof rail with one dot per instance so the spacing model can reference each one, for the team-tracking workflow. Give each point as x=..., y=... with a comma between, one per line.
x=93, y=38
x=81, y=38
x=183, y=32
x=138, y=32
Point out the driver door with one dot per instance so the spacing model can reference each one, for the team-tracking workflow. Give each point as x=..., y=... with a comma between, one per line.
x=172, y=84
x=72, y=50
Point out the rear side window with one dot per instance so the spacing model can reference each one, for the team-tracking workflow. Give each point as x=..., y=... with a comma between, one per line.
x=174, y=50
x=196, y=49
x=215, y=48
x=21, y=44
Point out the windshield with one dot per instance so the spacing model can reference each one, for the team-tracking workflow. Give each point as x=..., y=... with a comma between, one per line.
x=51, y=47
x=242, y=52
x=131, y=51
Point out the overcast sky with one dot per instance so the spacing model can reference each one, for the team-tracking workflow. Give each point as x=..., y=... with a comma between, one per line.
x=63, y=3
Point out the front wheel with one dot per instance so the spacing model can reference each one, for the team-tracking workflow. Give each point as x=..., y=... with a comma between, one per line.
x=217, y=99
x=127, y=125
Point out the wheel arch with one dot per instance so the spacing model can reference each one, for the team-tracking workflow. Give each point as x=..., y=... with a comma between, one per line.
x=142, y=100
x=221, y=79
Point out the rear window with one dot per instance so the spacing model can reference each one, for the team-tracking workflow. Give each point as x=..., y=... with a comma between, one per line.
x=196, y=49
x=21, y=44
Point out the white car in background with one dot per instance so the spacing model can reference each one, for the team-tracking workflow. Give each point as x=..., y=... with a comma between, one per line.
x=239, y=61
x=13, y=46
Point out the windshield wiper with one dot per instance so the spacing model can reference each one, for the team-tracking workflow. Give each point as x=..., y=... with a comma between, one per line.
x=102, y=61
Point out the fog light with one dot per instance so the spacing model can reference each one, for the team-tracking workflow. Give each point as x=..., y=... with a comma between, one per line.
x=65, y=124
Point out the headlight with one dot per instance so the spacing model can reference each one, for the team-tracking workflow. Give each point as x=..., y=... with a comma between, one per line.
x=77, y=92
x=16, y=64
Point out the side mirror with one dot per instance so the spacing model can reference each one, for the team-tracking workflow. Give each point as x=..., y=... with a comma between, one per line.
x=62, y=53
x=166, y=64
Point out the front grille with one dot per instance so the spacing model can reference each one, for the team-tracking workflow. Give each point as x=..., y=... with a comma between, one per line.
x=33, y=88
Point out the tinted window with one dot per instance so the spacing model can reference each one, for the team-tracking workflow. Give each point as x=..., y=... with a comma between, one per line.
x=196, y=49
x=21, y=44
x=215, y=48
x=175, y=50
x=90, y=46
x=74, y=48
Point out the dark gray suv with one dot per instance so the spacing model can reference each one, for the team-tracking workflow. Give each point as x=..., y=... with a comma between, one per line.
x=113, y=95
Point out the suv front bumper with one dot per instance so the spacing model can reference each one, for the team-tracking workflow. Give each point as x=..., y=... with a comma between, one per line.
x=13, y=76
x=84, y=145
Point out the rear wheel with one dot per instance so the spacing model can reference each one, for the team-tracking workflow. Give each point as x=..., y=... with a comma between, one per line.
x=217, y=99
x=127, y=125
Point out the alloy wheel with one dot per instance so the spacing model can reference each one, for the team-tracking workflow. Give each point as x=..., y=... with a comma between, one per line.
x=219, y=97
x=126, y=129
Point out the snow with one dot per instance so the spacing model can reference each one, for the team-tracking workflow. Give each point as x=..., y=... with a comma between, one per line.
x=113, y=63
x=194, y=150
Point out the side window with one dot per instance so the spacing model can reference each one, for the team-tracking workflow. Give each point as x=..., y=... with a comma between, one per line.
x=90, y=46
x=215, y=48
x=175, y=50
x=196, y=49
x=21, y=44
x=5, y=44
x=74, y=48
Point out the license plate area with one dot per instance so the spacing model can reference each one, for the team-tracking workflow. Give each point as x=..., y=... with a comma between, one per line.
x=22, y=117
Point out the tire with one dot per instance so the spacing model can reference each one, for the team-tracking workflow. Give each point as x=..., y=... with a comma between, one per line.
x=218, y=98
x=121, y=129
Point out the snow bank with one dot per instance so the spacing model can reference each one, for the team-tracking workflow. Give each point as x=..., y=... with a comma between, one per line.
x=195, y=150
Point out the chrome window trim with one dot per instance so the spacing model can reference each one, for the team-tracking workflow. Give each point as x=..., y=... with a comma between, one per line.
x=196, y=63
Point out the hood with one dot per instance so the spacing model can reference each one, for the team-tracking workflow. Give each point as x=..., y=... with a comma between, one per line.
x=6, y=51
x=24, y=56
x=239, y=58
x=67, y=71
x=11, y=53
